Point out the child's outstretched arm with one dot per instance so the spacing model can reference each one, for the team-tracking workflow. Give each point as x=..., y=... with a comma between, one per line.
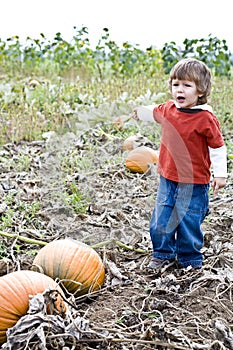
x=144, y=113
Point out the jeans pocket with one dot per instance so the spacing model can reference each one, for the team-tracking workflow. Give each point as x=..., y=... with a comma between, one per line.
x=164, y=192
x=199, y=202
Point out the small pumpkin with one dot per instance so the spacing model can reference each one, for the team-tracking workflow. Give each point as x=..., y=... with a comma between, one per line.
x=75, y=263
x=135, y=141
x=15, y=291
x=33, y=83
x=120, y=121
x=130, y=142
x=138, y=159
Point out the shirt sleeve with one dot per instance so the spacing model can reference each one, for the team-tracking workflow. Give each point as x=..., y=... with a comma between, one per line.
x=218, y=158
x=214, y=136
x=145, y=113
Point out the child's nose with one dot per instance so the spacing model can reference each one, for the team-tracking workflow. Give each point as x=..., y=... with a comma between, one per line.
x=180, y=88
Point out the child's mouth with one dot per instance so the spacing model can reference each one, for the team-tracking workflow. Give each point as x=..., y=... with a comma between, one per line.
x=180, y=99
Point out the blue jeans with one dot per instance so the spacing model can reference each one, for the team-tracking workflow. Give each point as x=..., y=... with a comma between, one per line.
x=175, y=226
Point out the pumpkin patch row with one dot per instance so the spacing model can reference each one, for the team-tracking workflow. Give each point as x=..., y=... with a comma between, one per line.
x=76, y=265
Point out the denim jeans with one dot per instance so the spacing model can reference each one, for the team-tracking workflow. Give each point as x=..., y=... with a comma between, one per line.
x=175, y=226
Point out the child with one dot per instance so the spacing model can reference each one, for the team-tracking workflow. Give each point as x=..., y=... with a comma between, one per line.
x=191, y=140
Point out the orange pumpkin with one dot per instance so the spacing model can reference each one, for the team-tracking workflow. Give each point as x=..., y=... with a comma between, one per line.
x=75, y=263
x=130, y=142
x=134, y=141
x=33, y=83
x=120, y=121
x=15, y=291
x=138, y=159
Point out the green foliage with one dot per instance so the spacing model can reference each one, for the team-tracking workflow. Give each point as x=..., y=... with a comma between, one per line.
x=107, y=59
x=59, y=56
x=126, y=60
x=212, y=51
x=3, y=250
x=7, y=219
x=81, y=87
x=75, y=199
x=28, y=211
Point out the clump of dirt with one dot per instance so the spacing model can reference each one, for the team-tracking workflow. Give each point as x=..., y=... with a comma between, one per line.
x=136, y=308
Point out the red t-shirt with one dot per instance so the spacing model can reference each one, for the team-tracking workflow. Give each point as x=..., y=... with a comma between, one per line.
x=186, y=135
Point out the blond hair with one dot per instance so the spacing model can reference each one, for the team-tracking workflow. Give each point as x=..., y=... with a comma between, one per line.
x=193, y=70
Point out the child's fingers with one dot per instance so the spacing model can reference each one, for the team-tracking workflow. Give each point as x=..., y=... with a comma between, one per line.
x=135, y=116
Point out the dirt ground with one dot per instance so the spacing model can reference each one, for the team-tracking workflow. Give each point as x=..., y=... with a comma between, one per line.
x=136, y=308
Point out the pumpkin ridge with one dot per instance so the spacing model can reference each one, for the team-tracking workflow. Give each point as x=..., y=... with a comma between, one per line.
x=95, y=261
x=16, y=291
x=18, y=286
x=86, y=260
x=56, y=259
x=70, y=264
x=81, y=265
x=40, y=261
x=95, y=281
x=76, y=264
x=90, y=257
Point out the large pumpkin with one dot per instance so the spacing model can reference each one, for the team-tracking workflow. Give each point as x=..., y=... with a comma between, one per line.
x=76, y=264
x=138, y=159
x=15, y=291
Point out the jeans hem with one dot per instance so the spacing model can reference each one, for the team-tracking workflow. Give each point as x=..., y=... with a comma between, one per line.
x=164, y=256
x=191, y=263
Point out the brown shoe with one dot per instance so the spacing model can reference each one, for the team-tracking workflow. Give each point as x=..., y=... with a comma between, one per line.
x=158, y=264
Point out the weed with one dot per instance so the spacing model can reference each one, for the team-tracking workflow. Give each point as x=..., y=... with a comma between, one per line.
x=76, y=199
x=7, y=219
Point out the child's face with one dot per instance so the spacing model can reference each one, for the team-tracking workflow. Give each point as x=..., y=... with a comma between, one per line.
x=185, y=93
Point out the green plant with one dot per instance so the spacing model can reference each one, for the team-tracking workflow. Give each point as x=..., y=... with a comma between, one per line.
x=29, y=210
x=3, y=250
x=23, y=163
x=82, y=87
x=7, y=219
x=75, y=198
x=213, y=51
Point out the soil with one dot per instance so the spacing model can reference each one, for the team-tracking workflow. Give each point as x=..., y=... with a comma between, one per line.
x=136, y=308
